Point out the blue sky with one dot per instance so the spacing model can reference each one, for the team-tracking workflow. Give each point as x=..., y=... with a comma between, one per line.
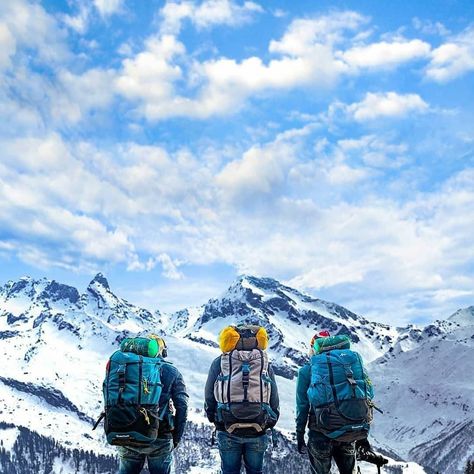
x=175, y=145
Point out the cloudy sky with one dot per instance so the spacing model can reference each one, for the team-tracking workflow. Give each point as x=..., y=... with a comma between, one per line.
x=175, y=145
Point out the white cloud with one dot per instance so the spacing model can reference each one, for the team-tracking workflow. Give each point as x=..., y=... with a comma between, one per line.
x=82, y=93
x=453, y=58
x=174, y=295
x=429, y=27
x=173, y=15
x=149, y=76
x=314, y=211
x=389, y=104
x=352, y=164
x=7, y=46
x=80, y=21
x=329, y=275
x=258, y=172
x=225, y=12
x=343, y=174
x=170, y=267
x=206, y=14
x=72, y=205
x=31, y=26
x=374, y=151
x=312, y=52
x=108, y=7
x=385, y=54
x=303, y=34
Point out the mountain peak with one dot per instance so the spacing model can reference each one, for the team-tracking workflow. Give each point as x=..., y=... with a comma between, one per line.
x=464, y=316
x=100, y=279
x=262, y=283
x=24, y=285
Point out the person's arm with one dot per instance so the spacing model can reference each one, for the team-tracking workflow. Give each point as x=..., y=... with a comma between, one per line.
x=210, y=404
x=302, y=406
x=180, y=402
x=274, y=398
x=302, y=402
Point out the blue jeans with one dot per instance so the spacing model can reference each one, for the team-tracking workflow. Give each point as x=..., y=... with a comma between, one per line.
x=322, y=449
x=234, y=448
x=158, y=455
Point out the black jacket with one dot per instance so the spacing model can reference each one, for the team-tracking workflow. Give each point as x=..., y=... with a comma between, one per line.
x=173, y=390
x=210, y=405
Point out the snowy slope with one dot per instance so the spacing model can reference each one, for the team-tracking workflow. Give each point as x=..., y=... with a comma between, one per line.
x=428, y=398
x=463, y=317
x=55, y=342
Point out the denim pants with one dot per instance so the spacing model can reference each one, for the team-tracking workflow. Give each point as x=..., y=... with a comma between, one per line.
x=233, y=449
x=158, y=455
x=322, y=449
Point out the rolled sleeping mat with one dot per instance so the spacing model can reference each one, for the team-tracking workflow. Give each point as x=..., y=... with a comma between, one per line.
x=324, y=344
x=140, y=345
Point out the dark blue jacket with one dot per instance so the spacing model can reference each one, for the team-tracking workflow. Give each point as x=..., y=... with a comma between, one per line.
x=174, y=390
x=210, y=405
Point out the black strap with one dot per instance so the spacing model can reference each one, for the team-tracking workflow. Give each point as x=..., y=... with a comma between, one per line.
x=331, y=380
x=121, y=380
x=140, y=381
x=245, y=379
x=102, y=415
x=230, y=376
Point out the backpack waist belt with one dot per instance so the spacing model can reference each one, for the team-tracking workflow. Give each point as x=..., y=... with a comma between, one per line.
x=237, y=426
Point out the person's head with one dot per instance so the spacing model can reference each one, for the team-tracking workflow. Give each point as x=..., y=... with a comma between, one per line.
x=317, y=336
x=162, y=348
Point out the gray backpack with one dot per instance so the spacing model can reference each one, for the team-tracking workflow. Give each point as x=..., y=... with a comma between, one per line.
x=243, y=388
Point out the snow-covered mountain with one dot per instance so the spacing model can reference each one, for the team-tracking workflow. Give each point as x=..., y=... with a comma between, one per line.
x=55, y=342
x=463, y=317
x=427, y=394
x=291, y=318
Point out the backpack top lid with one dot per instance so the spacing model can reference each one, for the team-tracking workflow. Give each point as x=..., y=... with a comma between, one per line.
x=243, y=338
x=324, y=344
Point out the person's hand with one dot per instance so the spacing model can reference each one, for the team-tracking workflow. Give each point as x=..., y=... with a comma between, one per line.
x=302, y=449
x=363, y=444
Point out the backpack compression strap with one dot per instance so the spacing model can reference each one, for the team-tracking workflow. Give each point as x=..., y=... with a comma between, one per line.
x=245, y=379
x=121, y=380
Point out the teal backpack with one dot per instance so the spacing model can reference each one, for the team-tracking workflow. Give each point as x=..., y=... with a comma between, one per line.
x=340, y=393
x=132, y=389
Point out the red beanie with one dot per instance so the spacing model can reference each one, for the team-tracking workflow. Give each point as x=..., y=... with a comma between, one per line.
x=318, y=335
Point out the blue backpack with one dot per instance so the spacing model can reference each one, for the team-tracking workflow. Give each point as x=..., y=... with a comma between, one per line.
x=132, y=389
x=340, y=393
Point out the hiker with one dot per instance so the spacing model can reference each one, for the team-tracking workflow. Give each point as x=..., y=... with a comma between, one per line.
x=241, y=398
x=332, y=389
x=146, y=405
